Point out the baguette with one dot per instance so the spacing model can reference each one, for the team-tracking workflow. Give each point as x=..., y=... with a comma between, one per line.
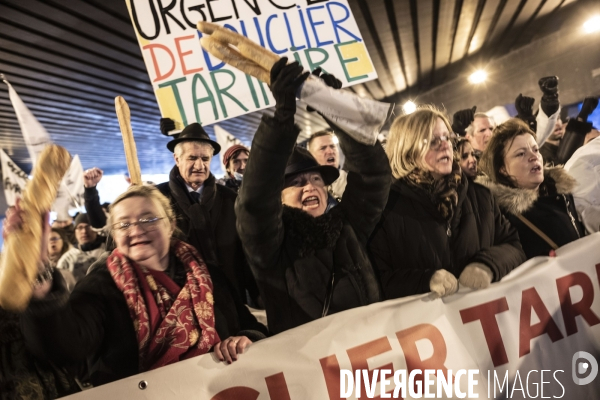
x=19, y=264
x=248, y=57
x=232, y=57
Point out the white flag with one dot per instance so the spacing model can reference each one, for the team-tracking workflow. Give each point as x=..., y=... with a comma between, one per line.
x=13, y=179
x=225, y=139
x=70, y=192
x=35, y=135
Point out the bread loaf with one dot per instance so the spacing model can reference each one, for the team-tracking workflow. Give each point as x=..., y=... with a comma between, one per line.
x=249, y=57
x=232, y=57
x=21, y=255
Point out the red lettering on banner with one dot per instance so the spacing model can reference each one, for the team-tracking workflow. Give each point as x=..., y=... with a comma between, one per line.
x=408, y=339
x=237, y=393
x=331, y=372
x=360, y=354
x=486, y=313
x=152, y=47
x=583, y=307
x=531, y=300
x=182, y=54
x=277, y=386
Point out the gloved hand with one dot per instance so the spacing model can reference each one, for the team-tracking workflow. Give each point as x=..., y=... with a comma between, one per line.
x=524, y=106
x=462, y=119
x=285, y=81
x=549, y=87
x=476, y=276
x=443, y=283
x=166, y=125
x=588, y=107
x=329, y=80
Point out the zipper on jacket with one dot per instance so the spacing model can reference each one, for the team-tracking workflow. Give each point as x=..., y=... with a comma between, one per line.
x=567, y=204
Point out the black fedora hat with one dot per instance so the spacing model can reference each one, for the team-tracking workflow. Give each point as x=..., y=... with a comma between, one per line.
x=193, y=133
x=302, y=161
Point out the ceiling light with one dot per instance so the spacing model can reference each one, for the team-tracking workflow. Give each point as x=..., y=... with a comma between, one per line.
x=409, y=107
x=335, y=139
x=592, y=24
x=478, y=76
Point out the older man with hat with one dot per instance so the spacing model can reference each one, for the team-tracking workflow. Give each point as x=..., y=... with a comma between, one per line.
x=308, y=261
x=234, y=160
x=205, y=210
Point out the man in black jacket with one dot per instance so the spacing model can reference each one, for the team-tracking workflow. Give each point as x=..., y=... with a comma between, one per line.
x=308, y=262
x=205, y=210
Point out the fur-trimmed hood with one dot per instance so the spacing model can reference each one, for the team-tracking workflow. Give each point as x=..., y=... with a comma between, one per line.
x=518, y=201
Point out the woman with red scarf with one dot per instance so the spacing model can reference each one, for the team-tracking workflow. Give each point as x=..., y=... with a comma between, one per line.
x=150, y=303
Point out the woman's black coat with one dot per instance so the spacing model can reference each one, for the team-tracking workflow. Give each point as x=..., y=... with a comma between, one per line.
x=91, y=330
x=553, y=212
x=412, y=240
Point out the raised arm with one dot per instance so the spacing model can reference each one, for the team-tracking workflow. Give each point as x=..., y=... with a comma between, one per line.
x=369, y=180
x=258, y=206
x=93, y=208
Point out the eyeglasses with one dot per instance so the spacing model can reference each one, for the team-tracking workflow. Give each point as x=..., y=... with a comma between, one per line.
x=436, y=143
x=145, y=224
x=54, y=239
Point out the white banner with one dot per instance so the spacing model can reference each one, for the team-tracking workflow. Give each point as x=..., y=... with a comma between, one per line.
x=226, y=140
x=13, y=179
x=35, y=135
x=536, y=334
x=192, y=86
x=70, y=192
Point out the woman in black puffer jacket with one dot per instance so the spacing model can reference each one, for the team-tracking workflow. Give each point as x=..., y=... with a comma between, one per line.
x=438, y=228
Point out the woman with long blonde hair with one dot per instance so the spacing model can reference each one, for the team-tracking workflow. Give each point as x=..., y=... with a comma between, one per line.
x=438, y=229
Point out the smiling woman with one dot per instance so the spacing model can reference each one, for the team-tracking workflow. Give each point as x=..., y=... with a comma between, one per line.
x=438, y=228
x=150, y=303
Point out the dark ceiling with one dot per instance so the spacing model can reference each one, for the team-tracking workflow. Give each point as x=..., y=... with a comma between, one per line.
x=68, y=59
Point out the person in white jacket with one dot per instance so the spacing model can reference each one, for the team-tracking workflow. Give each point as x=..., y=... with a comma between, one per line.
x=584, y=166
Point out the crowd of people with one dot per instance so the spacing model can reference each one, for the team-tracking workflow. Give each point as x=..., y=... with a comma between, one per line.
x=179, y=269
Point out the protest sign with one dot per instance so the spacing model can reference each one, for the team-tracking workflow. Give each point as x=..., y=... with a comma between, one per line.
x=193, y=86
x=536, y=334
x=13, y=179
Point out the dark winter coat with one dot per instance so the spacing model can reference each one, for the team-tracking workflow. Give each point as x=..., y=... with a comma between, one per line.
x=93, y=327
x=413, y=240
x=93, y=208
x=209, y=226
x=301, y=262
x=553, y=211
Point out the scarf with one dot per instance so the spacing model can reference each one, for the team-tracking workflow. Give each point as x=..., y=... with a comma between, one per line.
x=171, y=323
x=442, y=192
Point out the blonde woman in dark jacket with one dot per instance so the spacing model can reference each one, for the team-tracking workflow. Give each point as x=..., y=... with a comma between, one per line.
x=438, y=229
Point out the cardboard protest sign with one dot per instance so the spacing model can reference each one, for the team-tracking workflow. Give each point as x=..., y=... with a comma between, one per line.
x=192, y=86
x=536, y=334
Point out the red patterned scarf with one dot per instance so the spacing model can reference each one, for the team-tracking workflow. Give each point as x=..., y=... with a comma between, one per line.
x=171, y=323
